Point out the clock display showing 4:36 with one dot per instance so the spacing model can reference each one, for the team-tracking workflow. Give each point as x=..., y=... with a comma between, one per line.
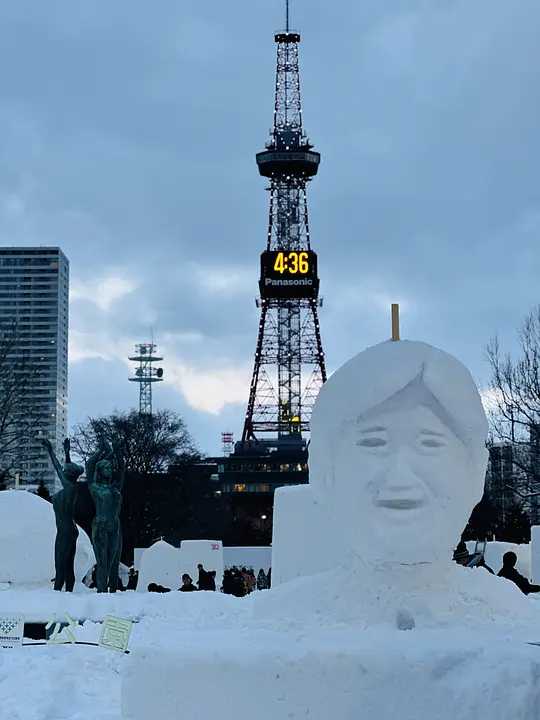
x=292, y=262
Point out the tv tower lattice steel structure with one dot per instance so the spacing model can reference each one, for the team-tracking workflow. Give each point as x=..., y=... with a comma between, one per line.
x=289, y=359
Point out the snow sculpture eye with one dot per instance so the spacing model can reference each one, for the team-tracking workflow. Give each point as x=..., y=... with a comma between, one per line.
x=432, y=440
x=372, y=442
x=431, y=443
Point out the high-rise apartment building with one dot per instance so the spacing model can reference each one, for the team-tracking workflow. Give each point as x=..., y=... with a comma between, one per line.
x=34, y=288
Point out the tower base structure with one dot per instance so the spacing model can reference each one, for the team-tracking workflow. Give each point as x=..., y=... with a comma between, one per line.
x=250, y=475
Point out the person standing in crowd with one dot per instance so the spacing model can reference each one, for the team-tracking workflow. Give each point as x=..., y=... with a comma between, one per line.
x=228, y=582
x=461, y=554
x=245, y=580
x=203, y=577
x=509, y=572
x=251, y=580
x=233, y=582
x=187, y=584
x=133, y=578
x=207, y=578
x=261, y=580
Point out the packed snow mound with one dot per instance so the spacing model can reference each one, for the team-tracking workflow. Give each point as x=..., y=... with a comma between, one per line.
x=160, y=563
x=178, y=609
x=27, y=537
x=362, y=599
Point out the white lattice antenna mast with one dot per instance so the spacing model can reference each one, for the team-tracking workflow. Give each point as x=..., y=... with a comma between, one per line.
x=146, y=374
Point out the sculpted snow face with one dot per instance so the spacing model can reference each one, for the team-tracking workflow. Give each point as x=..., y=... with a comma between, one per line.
x=397, y=452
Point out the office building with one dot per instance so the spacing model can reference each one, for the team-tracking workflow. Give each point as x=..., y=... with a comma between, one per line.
x=34, y=288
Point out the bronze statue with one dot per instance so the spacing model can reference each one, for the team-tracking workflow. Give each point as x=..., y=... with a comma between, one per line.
x=105, y=474
x=66, y=529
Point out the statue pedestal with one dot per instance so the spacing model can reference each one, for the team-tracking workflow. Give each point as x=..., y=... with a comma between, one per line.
x=342, y=673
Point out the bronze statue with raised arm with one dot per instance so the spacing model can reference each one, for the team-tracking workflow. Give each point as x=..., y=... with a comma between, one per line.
x=66, y=529
x=104, y=473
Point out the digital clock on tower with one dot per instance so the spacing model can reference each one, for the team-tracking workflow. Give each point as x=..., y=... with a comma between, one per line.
x=289, y=274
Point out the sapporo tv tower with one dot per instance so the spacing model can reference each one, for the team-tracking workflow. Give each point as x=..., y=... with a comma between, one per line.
x=289, y=364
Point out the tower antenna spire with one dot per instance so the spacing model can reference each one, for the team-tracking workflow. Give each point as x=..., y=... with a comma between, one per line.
x=289, y=366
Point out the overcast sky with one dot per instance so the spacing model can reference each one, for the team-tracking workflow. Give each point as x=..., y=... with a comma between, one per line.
x=129, y=131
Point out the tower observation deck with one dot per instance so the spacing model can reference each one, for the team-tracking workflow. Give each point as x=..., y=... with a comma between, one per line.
x=289, y=366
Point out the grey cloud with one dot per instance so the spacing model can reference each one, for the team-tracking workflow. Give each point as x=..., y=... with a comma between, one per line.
x=128, y=138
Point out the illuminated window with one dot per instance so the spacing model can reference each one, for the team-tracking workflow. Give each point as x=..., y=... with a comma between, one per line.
x=240, y=487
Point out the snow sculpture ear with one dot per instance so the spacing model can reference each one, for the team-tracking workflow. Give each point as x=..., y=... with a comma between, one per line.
x=329, y=479
x=321, y=469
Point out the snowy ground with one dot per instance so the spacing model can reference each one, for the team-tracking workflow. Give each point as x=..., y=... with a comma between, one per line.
x=217, y=658
x=47, y=682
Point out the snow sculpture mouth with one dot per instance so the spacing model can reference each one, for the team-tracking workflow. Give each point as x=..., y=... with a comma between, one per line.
x=400, y=503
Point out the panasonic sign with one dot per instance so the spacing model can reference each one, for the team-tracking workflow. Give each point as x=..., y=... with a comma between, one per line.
x=303, y=282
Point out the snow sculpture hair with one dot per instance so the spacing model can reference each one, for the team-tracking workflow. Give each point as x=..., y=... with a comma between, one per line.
x=397, y=452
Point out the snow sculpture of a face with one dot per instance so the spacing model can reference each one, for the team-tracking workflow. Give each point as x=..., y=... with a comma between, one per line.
x=397, y=453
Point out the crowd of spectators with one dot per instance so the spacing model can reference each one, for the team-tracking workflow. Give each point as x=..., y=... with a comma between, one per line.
x=242, y=581
x=236, y=581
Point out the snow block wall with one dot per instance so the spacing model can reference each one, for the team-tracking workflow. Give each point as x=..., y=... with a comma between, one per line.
x=377, y=673
x=250, y=557
x=301, y=543
x=164, y=564
x=207, y=552
x=535, y=554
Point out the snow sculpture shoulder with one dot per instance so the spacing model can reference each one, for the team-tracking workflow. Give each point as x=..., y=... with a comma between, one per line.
x=398, y=453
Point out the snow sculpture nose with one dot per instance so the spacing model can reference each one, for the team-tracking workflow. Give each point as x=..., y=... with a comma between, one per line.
x=398, y=485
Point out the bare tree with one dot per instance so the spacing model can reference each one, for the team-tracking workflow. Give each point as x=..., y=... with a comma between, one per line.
x=17, y=377
x=150, y=443
x=515, y=412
